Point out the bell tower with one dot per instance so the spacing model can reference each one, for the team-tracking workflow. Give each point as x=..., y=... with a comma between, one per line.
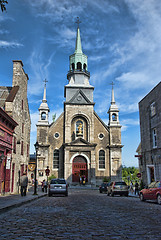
x=44, y=110
x=115, y=146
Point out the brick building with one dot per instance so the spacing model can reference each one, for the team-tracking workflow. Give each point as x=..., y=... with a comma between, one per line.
x=14, y=101
x=7, y=126
x=79, y=143
x=150, y=129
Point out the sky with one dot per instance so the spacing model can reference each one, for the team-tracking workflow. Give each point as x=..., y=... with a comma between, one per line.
x=122, y=39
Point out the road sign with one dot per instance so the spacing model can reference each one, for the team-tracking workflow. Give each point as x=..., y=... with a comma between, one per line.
x=47, y=171
x=139, y=175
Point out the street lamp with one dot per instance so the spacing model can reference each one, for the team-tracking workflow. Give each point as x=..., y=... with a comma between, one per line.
x=35, y=183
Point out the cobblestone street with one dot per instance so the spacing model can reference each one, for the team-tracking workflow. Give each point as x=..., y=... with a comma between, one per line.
x=84, y=214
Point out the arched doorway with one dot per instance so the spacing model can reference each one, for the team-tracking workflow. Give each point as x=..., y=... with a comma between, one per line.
x=79, y=168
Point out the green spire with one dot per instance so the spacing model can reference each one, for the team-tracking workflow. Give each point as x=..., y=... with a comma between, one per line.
x=78, y=60
x=78, y=46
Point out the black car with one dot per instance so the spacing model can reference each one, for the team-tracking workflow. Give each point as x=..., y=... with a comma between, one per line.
x=103, y=187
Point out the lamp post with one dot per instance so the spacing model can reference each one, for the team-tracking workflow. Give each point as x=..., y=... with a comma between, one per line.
x=35, y=183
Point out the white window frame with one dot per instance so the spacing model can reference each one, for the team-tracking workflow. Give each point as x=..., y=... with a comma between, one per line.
x=152, y=109
x=101, y=169
x=58, y=159
x=154, y=135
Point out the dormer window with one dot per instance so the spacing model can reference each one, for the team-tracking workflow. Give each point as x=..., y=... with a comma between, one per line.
x=43, y=116
x=114, y=117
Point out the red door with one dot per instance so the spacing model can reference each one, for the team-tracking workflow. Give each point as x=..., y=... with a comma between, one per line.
x=13, y=172
x=79, y=168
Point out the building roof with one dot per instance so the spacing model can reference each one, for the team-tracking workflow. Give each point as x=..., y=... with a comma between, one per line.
x=9, y=118
x=150, y=92
x=12, y=94
x=4, y=92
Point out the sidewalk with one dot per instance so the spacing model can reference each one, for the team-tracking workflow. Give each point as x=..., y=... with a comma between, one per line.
x=15, y=200
x=133, y=195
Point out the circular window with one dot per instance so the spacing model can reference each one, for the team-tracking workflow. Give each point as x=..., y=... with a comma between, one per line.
x=101, y=136
x=56, y=135
x=79, y=98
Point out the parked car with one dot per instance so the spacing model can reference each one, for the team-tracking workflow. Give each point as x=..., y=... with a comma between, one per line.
x=103, y=187
x=152, y=192
x=117, y=188
x=58, y=186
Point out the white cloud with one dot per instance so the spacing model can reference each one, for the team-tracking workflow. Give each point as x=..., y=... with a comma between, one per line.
x=4, y=31
x=6, y=44
x=127, y=123
x=39, y=70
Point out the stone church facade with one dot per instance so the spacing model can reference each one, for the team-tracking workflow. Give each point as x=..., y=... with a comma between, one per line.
x=79, y=143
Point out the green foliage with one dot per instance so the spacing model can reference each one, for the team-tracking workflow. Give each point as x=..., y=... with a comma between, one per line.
x=51, y=177
x=2, y=4
x=106, y=179
x=130, y=174
x=54, y=117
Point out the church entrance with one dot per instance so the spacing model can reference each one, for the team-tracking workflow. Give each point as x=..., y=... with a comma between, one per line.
x=79, y=168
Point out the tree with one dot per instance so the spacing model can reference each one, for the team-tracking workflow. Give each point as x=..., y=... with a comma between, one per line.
x=129, y=174
x=3, y=5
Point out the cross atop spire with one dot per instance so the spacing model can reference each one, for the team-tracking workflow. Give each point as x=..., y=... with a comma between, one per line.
x=45, y=81
x=112, y=84
x=78, y=22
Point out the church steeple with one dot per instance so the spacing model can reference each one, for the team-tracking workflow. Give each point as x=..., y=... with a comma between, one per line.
x=78, y=60
x=44, y=96
x=78, y=46
x=44, y=109
x=113, y=111
x=112, y=98
x=78, y=90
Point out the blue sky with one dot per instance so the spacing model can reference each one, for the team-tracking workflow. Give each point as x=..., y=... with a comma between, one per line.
x=122, y=39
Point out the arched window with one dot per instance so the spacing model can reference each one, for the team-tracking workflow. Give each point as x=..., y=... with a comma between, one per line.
x=79, y=66
x=73, y=66
x=114, y=117
x=79, y=128
x=56, y=158
x=102, y=159
x=84, y=67
x=43, y=116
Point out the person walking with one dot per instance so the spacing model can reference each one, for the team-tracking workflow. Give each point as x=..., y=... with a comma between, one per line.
x=136, y=188
x=45, y=186
x=131, y=187
x=80, y=180
x=23, y=184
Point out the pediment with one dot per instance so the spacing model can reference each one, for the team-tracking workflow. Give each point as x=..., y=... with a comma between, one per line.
x=80, y=142
x=79, y=98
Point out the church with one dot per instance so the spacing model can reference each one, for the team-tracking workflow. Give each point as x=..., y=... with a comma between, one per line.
x=79, y=143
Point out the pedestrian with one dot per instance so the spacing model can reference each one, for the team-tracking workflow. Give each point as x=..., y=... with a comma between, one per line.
x=45, y=186
x=42, y=185
x=84, y=180
x=131, y=187
x=80, y=180
x=136, y=188
x=23, y=184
